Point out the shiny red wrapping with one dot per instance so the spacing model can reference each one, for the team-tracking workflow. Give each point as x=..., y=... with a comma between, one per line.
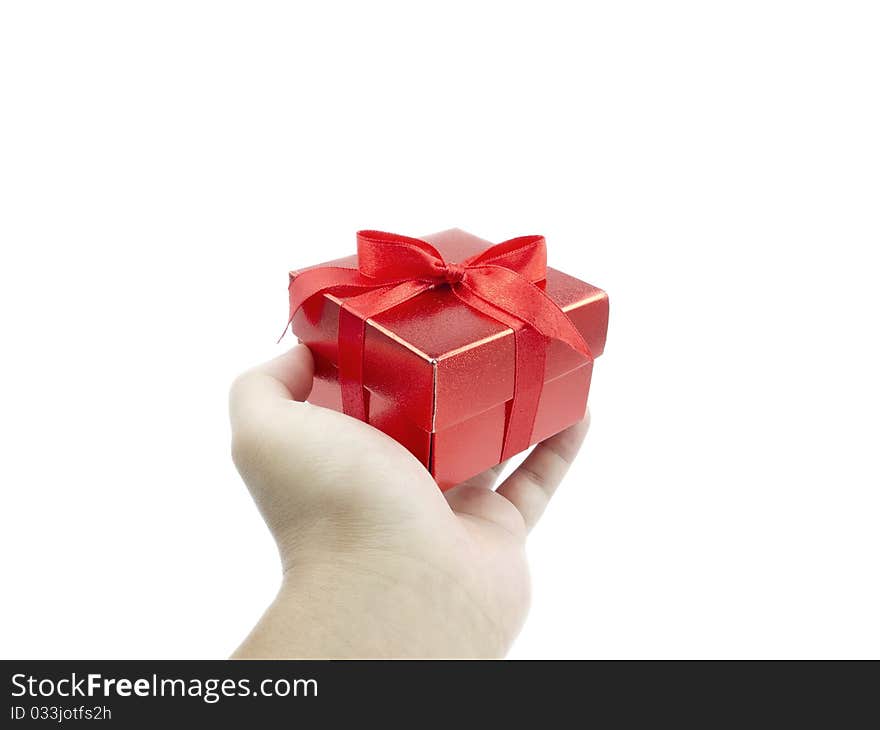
x=439, y=375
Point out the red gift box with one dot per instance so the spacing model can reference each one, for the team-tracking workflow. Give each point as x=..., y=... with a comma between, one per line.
x=462, y=363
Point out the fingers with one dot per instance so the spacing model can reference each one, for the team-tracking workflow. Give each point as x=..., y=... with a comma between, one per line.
x=533, y=483
x=483, y=480
x=485, y=504
x=476, y=497
x=287, y=377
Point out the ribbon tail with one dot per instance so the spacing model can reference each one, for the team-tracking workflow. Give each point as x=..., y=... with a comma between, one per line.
x=313, y=282
x=506, y=290
x=504, y=295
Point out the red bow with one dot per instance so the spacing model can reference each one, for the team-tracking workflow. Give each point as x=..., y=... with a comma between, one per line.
x=499, y=282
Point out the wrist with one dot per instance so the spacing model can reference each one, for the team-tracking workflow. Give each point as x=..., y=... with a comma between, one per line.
x=375, y=605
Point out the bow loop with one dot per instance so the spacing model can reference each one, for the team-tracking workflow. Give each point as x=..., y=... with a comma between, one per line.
x=389, y=257
x=525, y=255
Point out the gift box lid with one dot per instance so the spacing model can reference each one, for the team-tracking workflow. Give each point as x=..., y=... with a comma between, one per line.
x=440, y=360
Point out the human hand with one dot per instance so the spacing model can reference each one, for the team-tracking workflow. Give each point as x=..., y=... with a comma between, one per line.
x=377, y=561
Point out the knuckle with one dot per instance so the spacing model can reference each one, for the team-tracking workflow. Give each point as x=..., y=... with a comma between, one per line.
x=535, y=477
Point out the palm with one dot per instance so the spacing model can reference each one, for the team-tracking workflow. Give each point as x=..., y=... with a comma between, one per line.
x=315, y=472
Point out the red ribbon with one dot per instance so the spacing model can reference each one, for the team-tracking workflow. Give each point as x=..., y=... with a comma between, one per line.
x=499, y=282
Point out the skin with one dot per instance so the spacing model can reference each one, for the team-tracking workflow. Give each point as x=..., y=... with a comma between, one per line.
x=377, y=562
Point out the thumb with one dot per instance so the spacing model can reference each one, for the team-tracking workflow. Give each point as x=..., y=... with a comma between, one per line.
x=258, y=390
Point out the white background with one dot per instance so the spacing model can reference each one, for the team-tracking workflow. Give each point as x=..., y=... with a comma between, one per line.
x=713, y=166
